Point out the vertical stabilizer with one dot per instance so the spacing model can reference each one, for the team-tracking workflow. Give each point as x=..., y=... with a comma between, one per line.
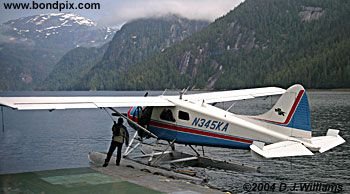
x=291, y=110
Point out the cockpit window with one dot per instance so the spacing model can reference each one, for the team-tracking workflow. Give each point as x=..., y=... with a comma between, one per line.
x=184, y=115
x=167, y=115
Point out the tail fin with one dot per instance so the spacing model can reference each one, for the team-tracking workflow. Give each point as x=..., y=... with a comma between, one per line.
x=291, y=110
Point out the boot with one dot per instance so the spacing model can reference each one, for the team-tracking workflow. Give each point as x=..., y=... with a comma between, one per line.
x=105, y=164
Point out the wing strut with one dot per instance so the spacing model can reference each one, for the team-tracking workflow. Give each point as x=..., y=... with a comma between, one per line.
x=133, y=122
x=2, y=119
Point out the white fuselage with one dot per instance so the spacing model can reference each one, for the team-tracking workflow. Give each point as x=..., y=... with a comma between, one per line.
x=203, y=124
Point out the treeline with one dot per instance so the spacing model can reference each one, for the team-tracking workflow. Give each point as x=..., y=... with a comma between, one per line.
x=260, y=43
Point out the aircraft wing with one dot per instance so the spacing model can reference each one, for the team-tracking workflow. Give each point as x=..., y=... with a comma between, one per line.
x=232, y=95
x=52, y=103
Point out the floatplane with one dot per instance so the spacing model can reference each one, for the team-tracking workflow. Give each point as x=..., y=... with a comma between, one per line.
x=193, y=119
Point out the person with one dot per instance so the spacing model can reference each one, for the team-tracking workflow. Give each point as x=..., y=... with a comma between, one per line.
x=119, y=135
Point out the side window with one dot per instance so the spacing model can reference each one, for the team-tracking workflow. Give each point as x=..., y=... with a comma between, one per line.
x=184, y=115
x=167, y=115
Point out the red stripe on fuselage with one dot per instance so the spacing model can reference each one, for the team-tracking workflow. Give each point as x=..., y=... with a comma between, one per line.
x=197, y=132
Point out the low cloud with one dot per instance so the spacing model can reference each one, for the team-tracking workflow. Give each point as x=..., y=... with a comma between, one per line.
x=122, y=11
x=117, y=12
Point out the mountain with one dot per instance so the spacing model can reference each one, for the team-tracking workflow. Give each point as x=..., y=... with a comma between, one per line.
x=46, y=30
x=30, y=46
x=259, y=43
x=134, y=42
x=72, y=67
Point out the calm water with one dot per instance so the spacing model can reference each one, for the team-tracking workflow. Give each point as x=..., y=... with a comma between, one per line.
x=42, y=140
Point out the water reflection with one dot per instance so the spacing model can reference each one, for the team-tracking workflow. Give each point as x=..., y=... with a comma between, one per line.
x=42, y=140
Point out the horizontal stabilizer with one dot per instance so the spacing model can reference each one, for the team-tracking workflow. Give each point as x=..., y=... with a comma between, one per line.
x=331, y=140
x=280, y=149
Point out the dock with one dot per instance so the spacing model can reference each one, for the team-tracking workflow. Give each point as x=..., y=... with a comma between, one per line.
x=77, y=180
x=129, y=177
x=157, y=179
x=132, y=176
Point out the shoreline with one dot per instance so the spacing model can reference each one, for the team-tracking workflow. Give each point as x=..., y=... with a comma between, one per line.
x=172, y=91
x=332, y=90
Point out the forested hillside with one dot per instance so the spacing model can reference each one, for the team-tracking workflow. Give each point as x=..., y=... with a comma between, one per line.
x=260, y=43
x=73, y=66
x=136, y=41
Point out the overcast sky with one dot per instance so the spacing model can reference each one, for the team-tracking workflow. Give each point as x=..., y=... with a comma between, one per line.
x=115, y=12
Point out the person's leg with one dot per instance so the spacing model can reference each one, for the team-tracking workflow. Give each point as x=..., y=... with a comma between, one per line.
x=110, y=152
x=119, y=154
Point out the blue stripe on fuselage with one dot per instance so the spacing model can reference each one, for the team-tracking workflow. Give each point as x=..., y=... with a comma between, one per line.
x=193, y=139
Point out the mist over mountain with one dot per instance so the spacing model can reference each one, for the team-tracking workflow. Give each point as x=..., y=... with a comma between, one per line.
x=30, y=46
x=208, y=10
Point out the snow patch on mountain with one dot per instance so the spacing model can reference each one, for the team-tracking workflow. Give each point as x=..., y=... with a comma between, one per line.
x=53, y=20
x=66, y=28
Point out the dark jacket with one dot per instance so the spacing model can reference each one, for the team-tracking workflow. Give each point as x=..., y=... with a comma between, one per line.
x=120, y=133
